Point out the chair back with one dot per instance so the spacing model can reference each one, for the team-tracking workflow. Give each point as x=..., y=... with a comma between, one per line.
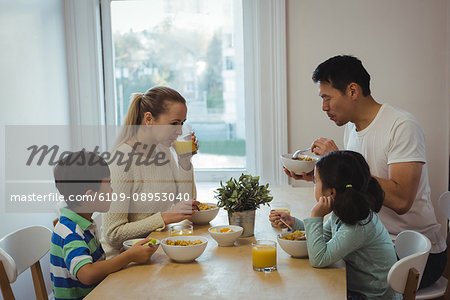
x=444, y=204
x=23, y=248
x=412, y=249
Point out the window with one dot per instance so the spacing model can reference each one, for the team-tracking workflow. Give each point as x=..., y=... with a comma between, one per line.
x=255, y=119
x=183, y=44
x=229, y=63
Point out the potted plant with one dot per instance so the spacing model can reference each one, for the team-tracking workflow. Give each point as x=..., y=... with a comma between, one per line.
x=241, y=198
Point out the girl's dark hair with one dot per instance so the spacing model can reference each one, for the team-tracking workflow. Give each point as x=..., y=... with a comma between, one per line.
x=358, y=194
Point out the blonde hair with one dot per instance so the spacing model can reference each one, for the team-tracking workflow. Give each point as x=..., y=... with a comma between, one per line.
x=153, y=101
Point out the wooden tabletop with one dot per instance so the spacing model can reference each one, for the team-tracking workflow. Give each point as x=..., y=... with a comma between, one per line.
x=226, y=272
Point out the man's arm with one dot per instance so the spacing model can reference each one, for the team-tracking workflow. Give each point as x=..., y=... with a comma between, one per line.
x=401, y=187
x=319, y=147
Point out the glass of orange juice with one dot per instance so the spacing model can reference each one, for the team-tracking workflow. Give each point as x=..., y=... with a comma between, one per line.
x=178, y=230
x=282, y=207
x=184, y=144
x=264, y=255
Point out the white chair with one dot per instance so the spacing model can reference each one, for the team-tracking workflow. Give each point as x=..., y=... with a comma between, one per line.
x=440, y=287
x=412, y=249
x=19, y=251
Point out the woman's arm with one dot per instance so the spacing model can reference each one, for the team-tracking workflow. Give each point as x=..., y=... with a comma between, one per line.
x=117, y=227
x=184, y=178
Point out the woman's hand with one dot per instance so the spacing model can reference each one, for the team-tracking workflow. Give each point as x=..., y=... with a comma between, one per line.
x=181, y=211
x=275, y=217
x=323, y=146
x=185, y=160
x=304, y=176
x=323, y=207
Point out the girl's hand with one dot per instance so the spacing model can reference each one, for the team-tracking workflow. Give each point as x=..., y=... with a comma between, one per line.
x=275, y=217
x=141, y=253
x=323, y=207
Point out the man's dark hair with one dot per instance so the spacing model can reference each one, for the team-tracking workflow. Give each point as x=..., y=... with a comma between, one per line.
x=79, y=172
x=342, y=70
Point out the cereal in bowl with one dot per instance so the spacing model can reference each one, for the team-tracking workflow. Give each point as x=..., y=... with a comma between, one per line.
x=295, y=236
x=183, y=243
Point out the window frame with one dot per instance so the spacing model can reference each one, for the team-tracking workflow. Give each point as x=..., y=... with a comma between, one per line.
x=264, y=75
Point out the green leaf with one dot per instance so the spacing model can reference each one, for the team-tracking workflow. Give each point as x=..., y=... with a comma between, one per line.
x=242, y=194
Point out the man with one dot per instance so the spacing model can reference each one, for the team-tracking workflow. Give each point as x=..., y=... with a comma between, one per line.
x=392, y=142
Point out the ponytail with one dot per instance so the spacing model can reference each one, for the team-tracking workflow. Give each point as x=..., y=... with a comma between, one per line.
x=358, y=194
x=351, y=206
x=377, y=193
x=133, y=116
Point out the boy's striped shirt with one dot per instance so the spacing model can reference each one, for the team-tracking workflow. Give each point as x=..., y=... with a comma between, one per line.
x=74, y=244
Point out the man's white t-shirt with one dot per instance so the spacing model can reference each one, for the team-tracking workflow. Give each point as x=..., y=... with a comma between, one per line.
x=395, y=136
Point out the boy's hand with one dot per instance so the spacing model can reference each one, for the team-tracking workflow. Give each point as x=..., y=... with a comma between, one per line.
x=323, y=207
x=141, y=253
x=275, y=217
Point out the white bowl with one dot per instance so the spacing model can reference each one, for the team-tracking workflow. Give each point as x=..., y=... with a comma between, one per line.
x=298, y=166
x=129, y=243
x=184, y=253
x=204, y=216
x=226, y=239
x=293, y=248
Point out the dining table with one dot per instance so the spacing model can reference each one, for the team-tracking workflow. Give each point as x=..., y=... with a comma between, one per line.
x=226, y=272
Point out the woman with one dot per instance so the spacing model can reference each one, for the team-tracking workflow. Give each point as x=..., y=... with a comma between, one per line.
x=147, y=177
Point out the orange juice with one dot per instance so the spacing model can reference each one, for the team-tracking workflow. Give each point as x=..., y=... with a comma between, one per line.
x=264, y=254
x=184, y=147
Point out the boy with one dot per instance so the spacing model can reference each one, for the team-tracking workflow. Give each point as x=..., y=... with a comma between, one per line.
x=77, y=260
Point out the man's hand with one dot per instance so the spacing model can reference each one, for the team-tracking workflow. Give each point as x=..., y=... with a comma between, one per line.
x=323, y=146
x=304, y=176
x=323, y=207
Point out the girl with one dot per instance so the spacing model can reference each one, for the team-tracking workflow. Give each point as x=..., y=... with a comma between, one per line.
x=147, y=187
x=353, y=232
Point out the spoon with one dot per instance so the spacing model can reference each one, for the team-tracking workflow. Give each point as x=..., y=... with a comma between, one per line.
x=296, y=154
x=286, y=224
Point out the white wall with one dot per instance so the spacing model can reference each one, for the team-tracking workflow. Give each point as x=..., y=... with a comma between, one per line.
x=33, y=79
x=403, y=45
